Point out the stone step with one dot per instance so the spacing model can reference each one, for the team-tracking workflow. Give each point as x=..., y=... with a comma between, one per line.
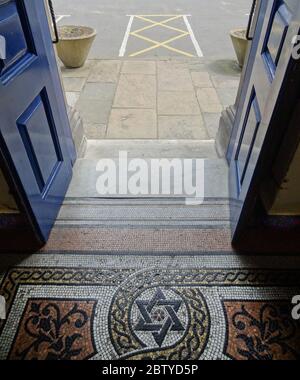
x=97, y=149
x=85, y=177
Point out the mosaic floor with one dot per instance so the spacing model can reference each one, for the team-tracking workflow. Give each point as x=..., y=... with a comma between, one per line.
x=147, y=280
x=132, y=306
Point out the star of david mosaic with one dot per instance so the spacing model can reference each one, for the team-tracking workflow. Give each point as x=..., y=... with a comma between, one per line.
x=159, y=316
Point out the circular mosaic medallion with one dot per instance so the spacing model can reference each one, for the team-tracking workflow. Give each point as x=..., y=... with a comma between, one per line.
x=159, y=318
x=149, y=319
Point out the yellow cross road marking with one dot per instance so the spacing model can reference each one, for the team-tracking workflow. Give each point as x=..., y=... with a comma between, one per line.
x=162, y=23
x=161, y=44
x=154, y=24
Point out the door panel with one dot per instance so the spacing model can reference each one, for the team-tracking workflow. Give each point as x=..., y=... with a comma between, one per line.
x=19, y=44
x=37, y=131
x=248, y=139
x=281, y=22
x=277, y=35
x=34, y=127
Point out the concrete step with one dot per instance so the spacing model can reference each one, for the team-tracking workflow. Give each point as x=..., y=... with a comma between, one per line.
x=97, y=149
x=85, y=177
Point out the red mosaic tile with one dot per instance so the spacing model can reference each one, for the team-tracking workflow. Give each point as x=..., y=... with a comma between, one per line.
x=52, y=329
x=260, y=330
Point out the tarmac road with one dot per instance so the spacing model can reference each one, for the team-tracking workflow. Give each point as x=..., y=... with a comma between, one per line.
x=207, y=31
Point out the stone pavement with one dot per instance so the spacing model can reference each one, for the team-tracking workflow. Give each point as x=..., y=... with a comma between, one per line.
x=163, y=100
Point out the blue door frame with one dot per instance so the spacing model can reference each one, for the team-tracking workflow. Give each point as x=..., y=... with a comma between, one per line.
x=35, y=137
x=246, y=75
x=267, y=101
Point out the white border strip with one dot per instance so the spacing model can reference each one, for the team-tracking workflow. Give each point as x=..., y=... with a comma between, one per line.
x=193, y=38
x=126, y=37
x=60, y=17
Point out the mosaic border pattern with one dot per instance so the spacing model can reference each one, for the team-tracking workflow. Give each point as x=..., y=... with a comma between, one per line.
x=161, y=312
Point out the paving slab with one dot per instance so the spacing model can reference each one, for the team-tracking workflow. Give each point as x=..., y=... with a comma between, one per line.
x=173, y=78
x=196, y=66
x=172, y=64
x=80, y=72
x=225, y=81
x=177, y=103
x=132, y=124
x=181, y=128
x=227, y=96
x=201, y=79
x=95, y=131
x=105, y=71
x=209, y=100
x=212, y=121
x=73, y=84
x=101, y=91
x=139, y=67
x=94, y=111
x=136, y=91
x=186, y=98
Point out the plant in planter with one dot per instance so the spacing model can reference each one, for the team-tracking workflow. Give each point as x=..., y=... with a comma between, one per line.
x=74, y=44
x=240, y=44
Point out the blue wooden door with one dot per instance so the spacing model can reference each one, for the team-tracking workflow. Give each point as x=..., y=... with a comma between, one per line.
x=35, y=138
x=280, y=23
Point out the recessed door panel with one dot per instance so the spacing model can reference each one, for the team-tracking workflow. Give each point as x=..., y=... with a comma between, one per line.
x=277, y=35
x=39, y=138
x=279, y=23
x=19, y=45
x=248, y=137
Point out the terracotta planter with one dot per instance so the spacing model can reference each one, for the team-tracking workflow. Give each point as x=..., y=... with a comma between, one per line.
x=75, y=44
x=240, y=44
